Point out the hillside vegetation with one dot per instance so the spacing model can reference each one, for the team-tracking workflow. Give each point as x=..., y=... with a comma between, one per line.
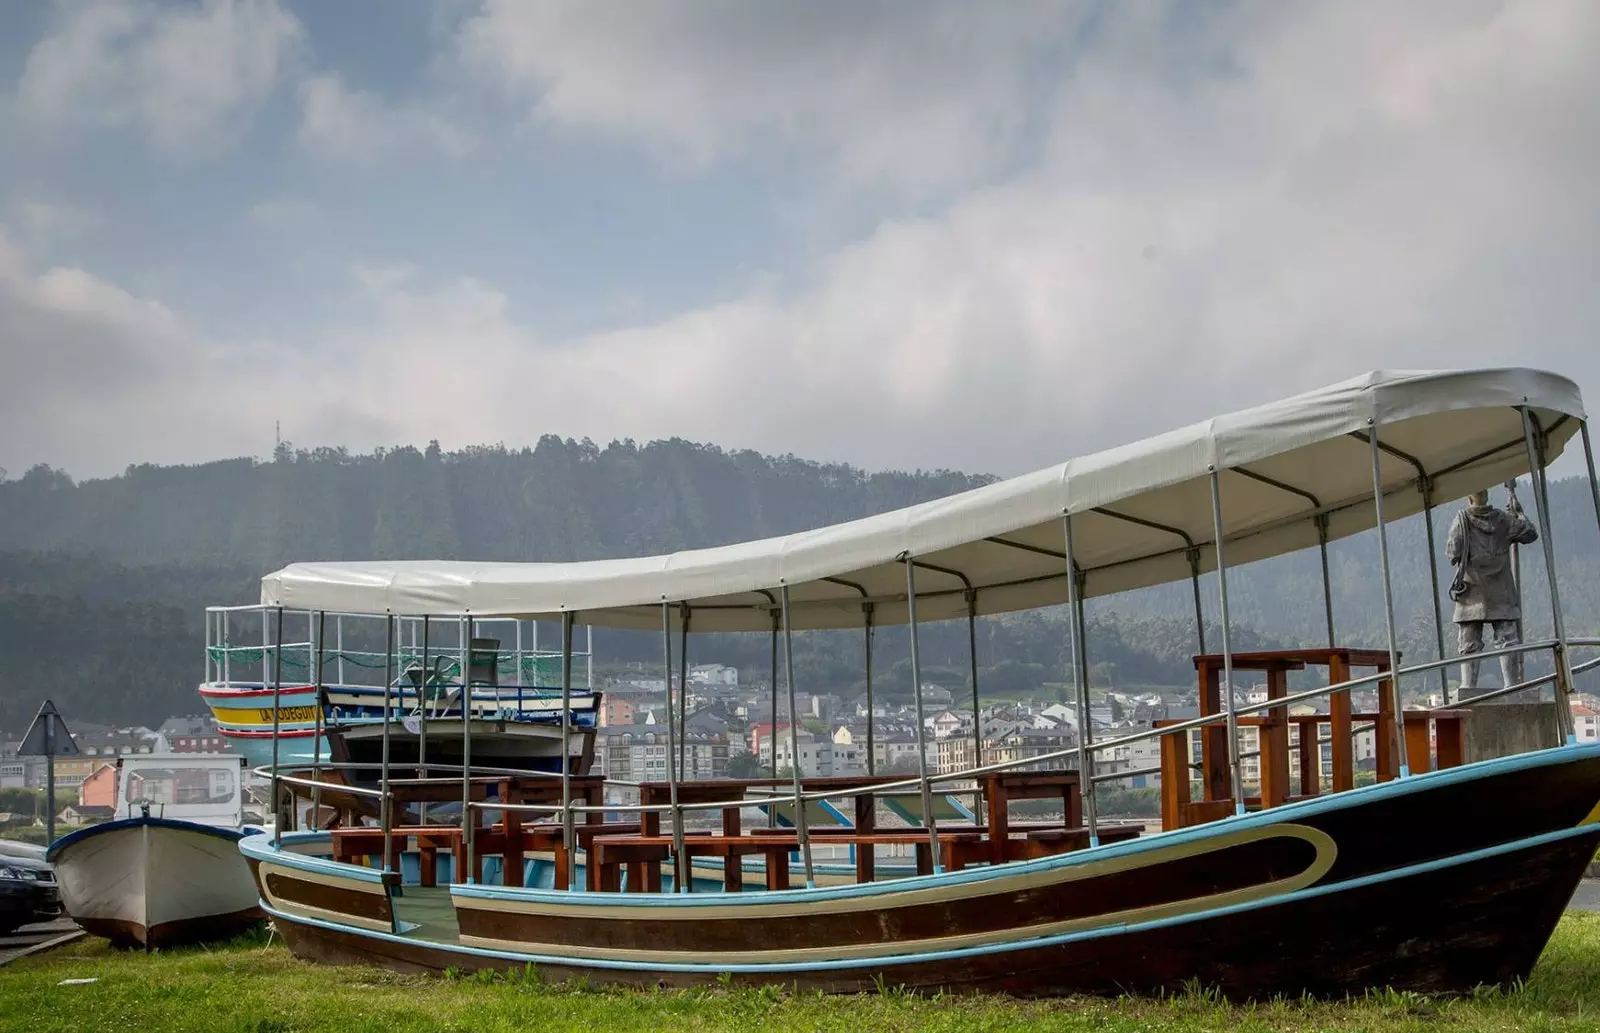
x=102, y=582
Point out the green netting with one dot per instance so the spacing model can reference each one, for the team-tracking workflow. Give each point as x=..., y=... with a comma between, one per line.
x=536, y=668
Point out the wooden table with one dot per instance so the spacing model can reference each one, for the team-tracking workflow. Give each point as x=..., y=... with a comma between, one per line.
x=1001, y=787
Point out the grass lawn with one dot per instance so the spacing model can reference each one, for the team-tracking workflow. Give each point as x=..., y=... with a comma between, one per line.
x=257, y=987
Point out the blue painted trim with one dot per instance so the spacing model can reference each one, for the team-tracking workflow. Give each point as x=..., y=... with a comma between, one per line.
x=1102, y=932
x=1362, y=796
x=108, y=827
x=260, y=847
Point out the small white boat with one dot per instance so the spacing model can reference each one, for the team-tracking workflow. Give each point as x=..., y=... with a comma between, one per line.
x=167, y=869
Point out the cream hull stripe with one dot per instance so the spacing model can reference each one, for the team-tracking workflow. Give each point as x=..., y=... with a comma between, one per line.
x=756, y=909
x=1326, y=852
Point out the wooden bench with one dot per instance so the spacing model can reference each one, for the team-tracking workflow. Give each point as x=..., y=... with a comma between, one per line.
x=643, y=856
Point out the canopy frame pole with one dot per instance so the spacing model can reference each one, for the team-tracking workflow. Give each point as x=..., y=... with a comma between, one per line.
x=1232, y=719
x=680, y=880
x=1193, y=553
x=683, y=691
x=422, y=721
x=1388, y=605
x=972, y=658
x=866, y=618
x=1076, y=581
x=802, y=827
x=568, y=833
x=772, y=732
x=1533, y=434
x=227, y=653
x=518, y=648
x=1588, y=458
x=1327, y=582
x=916, y=692
x=1425, y=486
x=386, y=805
x=338, y=631
x=588, y=656
x=277, y=714
x=468, y=826
x=317, y=725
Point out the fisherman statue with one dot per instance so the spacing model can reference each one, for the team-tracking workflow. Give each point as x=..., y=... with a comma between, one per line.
x=1485, y=588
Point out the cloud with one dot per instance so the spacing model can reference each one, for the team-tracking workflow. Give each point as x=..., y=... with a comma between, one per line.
x=358, y=126
x=919, y=97
x=47, y=222
x=1225, y=208
x=286, y=216
x=186, y=76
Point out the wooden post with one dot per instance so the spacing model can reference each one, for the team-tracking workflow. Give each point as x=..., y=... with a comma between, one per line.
x=1344, y=767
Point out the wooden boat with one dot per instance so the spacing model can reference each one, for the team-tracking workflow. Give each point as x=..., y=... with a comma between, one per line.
x=174, y=877
x=1448, y=872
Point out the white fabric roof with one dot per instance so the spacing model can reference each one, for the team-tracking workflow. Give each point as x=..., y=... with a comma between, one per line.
x=1005, y=539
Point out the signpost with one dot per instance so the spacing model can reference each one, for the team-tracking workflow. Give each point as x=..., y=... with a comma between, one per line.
x=48, y=738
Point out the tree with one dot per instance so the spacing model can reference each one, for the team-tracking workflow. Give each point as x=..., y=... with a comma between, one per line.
x=744, y=765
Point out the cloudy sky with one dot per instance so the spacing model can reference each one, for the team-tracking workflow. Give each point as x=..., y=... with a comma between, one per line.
x=984, y=236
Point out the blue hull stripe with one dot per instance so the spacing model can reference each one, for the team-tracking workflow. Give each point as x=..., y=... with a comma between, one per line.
x=1114, y=929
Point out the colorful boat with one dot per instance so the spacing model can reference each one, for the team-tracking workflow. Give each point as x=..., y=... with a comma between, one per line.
x=1448, y=872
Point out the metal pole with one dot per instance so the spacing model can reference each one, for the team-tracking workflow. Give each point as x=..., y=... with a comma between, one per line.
x=588, y=658
x=385, y=805
x=422, y=720
x=1237, y=784
x=867, y=609
x=794, y=742
x=1388, y=605
x=317, y=726
x=277, y=713
x=683, y=692
x=1080, y=684
x=464, y=627
x=680, y=870
x=1588, y=458
x=568, y=834
x=1327, y=584
x=338, y=631
x=916, y=693
x=972, y=656
x=777, y=623
x=50, y=779
x=1541, y=500
x=1194, y=583
x=519, y=663
x=1426, y=484
x=227, y=653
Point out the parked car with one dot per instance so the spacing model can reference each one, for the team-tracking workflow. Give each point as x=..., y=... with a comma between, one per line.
x=28, y=893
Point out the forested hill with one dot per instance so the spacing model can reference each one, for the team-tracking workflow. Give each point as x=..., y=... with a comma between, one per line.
x=102, y=583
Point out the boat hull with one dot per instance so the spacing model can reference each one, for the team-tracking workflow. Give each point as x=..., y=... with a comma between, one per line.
x=151, y=882
x=1439, y=882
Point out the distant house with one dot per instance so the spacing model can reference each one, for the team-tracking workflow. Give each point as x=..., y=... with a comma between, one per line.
x=99, y=790
x=77, y=814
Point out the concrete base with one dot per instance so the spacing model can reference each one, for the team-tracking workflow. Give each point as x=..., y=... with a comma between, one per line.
x=1499, y=729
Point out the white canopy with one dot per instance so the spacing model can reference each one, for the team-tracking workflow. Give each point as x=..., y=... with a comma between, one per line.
x=1137, y=511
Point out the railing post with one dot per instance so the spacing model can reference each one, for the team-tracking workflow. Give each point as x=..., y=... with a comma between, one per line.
x=916, y=692
x=1232, y=720
x=468, y=826
x=422, y=720
x=317, y=722
x=972, y=658
x=800, y=824
x=1541, y=501
x=1388, y=605
x=277, y=712
x=1425, y=485
x=681, y=869
x=866, y=617
x=567, y=833
x=386, y=805
x=1080, y=684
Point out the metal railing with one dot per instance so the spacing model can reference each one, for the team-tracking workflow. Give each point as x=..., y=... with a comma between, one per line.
x=678, y=810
